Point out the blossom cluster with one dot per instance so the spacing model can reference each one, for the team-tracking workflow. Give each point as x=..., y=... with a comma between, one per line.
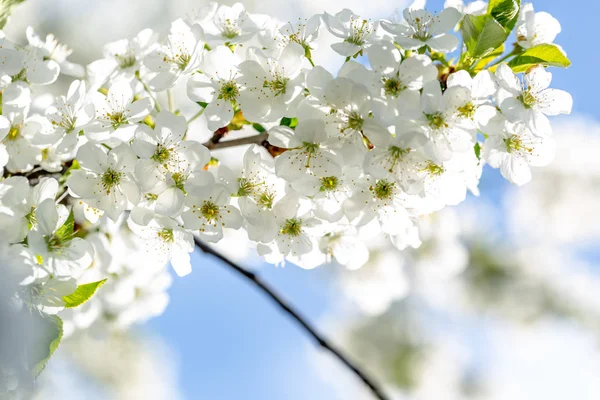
x=402, y=130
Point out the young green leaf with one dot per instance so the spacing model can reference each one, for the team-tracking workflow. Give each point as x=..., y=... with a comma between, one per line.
x=489, y=58
x=506, y=12
x=544, y=54
x=65, y=232
x=53, y=333
x=482, y=35
x=82, y=294
x=291, y=122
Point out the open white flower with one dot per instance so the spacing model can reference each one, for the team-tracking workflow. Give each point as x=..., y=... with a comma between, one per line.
x=210, y=211
x=307, y=151
x=117, y=114
x=22, y=136
x=470, y=97
x=70, y=114
x=421, y=28
x=168, y=241
x=105, y=180
x=515, y=149
x=530, y=100
x=53, y=50
x=272, y=85
x=217, y=86
x=122, y=58
x=53, y=244
x=178, y=57
x=383, y=200
x=303, y=33
x=534, y=28
x=37, y=68
x=357, y=33
x=447, y=131
x=296, y=240
x=223, y=25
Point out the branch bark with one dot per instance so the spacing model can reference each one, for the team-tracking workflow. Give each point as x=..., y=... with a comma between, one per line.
x=255, y=139
x=295, y=315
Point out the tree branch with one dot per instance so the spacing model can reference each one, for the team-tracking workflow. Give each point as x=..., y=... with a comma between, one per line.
x=286, y=308
x=255, y=139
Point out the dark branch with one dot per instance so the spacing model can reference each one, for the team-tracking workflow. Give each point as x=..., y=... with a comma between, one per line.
x=285, y=307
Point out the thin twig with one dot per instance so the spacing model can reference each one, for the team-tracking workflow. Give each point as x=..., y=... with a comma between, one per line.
x=285, y=307
x=195, y=116
x=148, y=90
x=171, y=100
x=256, y=139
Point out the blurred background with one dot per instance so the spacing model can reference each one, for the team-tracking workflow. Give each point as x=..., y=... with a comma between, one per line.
x=502, y=301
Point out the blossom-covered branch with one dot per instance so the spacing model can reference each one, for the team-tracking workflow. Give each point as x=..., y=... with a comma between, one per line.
x=401, y=131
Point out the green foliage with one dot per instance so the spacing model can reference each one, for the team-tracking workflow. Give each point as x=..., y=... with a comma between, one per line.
x=259, y=128
x=202, y=104
x=484, y=61
x=477, y=149
x=482, y=35
x=544, y=54
x=291, y=122
x=506, y=12
x=5, y=10
x=82, y=294
x=52, y=335
x=67, y=230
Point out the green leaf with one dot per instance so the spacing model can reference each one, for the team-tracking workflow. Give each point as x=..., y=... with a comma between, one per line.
x=291, y=122
x=548, y=55
x=5, y=10
x=82, y=294
x=202, y=104
x=489, y=58
x=53, y=333
x=506, y=12
x=477, y=149
x=66, y=231
x=259, y=128
x=482, y=35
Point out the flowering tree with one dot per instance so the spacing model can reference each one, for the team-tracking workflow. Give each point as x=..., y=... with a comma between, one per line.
x=104, y=186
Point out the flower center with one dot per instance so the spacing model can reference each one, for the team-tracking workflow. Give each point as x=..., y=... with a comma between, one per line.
x=14, y=132
x=179, y=180
x=182, y=60
x=278, y=85
x=161, y=154
x=528, y=99
x=436, y=121
x=392, y=87
x=292, y=227
x=117, y=119
x=467, y=111
x=514, y=144
x=229, y=91
x=434, y=169
x=266, y=199
x=166, y=235
x=383, y=190
x=126, y=60
x=329, y=183
x=210, y=211
x=310, y=148
x=229, y=29
x=359, y=30
x=355, y=121
x=110, y=179
x=67, y=123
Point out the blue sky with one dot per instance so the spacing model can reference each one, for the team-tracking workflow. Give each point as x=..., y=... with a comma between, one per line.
x=234, y=344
